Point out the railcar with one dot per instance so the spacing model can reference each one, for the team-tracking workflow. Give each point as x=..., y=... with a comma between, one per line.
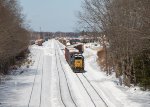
x=39, y=42
x=78, y=46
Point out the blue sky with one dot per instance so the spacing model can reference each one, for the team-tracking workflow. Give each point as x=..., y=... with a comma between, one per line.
x=51, y=15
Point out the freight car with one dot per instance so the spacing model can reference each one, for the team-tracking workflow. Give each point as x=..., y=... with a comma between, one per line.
x=74, y=58
x=78, y=46
x=39, y=42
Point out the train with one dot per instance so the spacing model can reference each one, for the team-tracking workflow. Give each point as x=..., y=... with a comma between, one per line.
x=39, y=42
x=74, y=57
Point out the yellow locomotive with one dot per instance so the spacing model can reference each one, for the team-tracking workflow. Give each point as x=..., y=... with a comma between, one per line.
x=78, y=62
x=75, y=59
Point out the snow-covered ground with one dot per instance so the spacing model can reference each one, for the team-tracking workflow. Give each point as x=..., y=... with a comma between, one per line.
x=114, y=94
x=50, y=82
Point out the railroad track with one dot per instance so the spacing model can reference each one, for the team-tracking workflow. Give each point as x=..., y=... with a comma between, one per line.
x=106, y=105
x=86, y=90
x=88, y=81
x=95, y=90
x=41, y=83
x=58, y=58
x=35, y=80
x=60, y=91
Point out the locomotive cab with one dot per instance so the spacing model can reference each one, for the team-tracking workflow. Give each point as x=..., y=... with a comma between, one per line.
x=75, y=59
x=78, y=63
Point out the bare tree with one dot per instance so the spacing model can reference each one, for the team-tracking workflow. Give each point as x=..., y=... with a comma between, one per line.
x=13, y=34
x=125, y=24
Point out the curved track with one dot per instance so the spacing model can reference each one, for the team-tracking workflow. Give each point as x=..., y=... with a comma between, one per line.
x=60, y=91
x=58, y=58
x=106, y=105
x=41, y=84
x=33, y=85
x=95, y=91
x=86, y=90
x=34, y=80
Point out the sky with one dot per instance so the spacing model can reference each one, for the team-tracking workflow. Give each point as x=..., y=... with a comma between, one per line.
x=51, y=15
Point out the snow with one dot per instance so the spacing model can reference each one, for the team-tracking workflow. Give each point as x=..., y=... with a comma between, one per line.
x=72, y=49
x=115, y=95
x=50, y=82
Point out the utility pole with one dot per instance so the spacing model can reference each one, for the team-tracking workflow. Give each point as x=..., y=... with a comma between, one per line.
x=41, y=37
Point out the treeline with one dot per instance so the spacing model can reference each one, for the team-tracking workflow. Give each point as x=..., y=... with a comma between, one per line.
x=14, y=37
x=124, y=28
